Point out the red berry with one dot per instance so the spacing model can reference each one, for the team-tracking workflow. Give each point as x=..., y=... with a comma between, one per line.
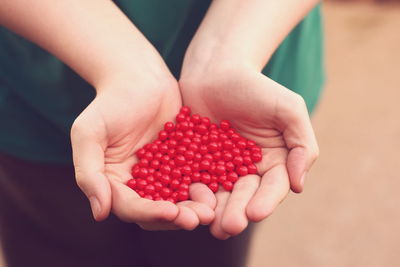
x=205, y=164
x=229, y=166
x=213, y=137
x=165, y=169
x=236, y=151
x=222, y=179
x=149, y=189
x=174, y=184
x=165, y=192
x=197, y=157
x=196, y=176
x=252, y=169
x=186, y=170
x=235, y=137
x=227, y=185
x=141, y=184
x=232, y=177
x=196, y=118
x=227, y=144
x=227, y=156
x=150, y=179
x=148, y=155
x=186, y=180
x=163, y=135
x=213, y=186
x=213, y=147
x=153, y=148
x=176, y=174
x=148, y=197
x=165, y=159
x=183, y=126
x=208, y=157
x=256, y=149
x=201, y=129
x=195, y=167
x=241, y=144
x=180, y=160
x=172, y=143
x=155, y=164
x=169, y=126
x=165, y=179
x=140, y=153
x=185, y=110
x=158, y=155
x=178, y=135
x=141, y=193
x=158, y=186
x=143, y=162
x=220, y=169
x=247, y=160
x=238, y=160
x=225, y=125
x=132, y=183
x=206, y=121
x=183, y=195
x=143, y=172
x=180, y=117
x=224, y=137
x=203, y=149
x=242, y=170
x=217, y=155
x=256, y=157
x=189, y=154
x=205, y=178
x=181, y=149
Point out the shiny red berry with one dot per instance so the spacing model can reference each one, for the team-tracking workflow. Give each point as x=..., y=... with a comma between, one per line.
x=232, y=177
x=165, y=192
x=238, y=161
x=176, y=174
x=242, y=170
x=185, y=110
x=205, y=164
x=155, y=164
x=183, y=195
x=165, y=169
x=186, y=180
x=149, y=189
x=180, y=160
x=163, y=135
x=229, y=166
x=220, y=169
x=132, y=183
x=158, y=186
x=252, y=169
x=227, y=185
x=196, y=176
x=196, y=118
x=169, y=126
x=256, y=157
x=205, y=178
x=174, y=184
x=213, y=186
x=225, y=125
x=227, y=156
x=165, y=179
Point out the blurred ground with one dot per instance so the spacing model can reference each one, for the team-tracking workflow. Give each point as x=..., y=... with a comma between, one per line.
x=349, y=214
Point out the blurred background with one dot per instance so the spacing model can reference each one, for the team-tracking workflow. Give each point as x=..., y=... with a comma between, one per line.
x=349, y=214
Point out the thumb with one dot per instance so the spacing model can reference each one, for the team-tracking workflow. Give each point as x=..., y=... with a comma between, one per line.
x=88, y=159
x=303, y=148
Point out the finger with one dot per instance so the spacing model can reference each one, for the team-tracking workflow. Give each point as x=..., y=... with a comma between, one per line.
x=88, y=157
x=187, y=219
x=234, y=219
x=216, y=227
x=201, y=193
x=274, y=187
x=204, y=213
x=300, y=139
x=130, y=207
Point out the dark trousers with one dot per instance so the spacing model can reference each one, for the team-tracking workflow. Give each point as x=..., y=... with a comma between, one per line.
x=45, y=220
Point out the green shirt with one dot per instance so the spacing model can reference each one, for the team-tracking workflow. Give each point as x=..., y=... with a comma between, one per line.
x=40, y=96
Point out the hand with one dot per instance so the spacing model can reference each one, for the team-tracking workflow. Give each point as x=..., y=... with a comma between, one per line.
x=122, y=118
x=266, y=112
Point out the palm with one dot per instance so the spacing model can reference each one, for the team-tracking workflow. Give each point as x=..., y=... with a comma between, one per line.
x=121, y=123
x=254, y=106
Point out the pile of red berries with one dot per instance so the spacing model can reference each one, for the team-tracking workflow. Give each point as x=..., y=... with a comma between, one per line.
x=190, y=151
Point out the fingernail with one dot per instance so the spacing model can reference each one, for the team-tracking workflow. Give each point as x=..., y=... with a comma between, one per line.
x=302, y=179
x=95, y=205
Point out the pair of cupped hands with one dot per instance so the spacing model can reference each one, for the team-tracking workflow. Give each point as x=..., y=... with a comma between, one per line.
x=128, y=113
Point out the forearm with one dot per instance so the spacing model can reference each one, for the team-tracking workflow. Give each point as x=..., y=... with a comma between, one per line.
x=245, y=32
x=93, y=37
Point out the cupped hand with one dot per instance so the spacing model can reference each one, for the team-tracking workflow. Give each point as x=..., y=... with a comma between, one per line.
x=122, y=118
x=271, y=115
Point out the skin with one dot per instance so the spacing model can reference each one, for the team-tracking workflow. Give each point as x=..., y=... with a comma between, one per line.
x=221, y=78
x=136, y=94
